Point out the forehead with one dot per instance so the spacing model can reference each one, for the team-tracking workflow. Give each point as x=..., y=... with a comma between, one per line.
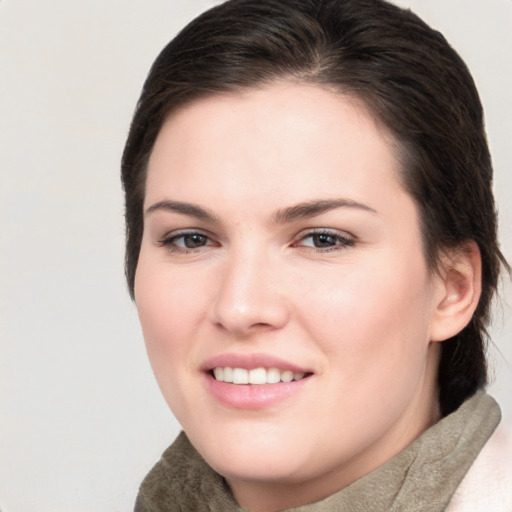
x=284, y=103
x=246, y=157
x=287, y=134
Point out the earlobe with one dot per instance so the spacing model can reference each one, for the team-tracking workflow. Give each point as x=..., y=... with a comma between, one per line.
x=460, y=285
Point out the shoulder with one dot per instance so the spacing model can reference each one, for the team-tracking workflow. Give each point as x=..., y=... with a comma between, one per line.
x=488, y=484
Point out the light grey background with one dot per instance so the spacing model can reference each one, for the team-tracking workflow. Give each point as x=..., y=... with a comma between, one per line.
x=82, y=419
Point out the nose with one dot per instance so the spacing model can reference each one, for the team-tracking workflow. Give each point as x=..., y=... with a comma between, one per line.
x=251, y=296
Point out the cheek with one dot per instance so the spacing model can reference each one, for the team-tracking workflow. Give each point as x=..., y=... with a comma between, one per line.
x=372, y=316
x=374, y=334
x=168, y=310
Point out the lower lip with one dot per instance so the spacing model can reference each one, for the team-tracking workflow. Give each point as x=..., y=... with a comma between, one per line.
x=253, y=396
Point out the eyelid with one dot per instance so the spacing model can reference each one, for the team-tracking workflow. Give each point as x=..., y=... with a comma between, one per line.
x=346, y=239
x=167, y=240
x=342, y=238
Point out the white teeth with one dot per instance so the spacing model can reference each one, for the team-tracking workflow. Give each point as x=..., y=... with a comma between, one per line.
x=219, y=373
x=273, y=375
x=240, y=376
x=287, y=376
x=255, y=376
x=228, y=374
x=258, y=376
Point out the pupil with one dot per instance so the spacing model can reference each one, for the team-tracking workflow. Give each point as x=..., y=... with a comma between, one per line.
x=323, y=240
x=192, y=241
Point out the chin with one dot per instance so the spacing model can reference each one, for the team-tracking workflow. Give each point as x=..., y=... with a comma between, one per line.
x=275, y=469
x=256, y=454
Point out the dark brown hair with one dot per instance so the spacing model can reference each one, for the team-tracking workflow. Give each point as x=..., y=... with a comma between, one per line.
x=405, y=72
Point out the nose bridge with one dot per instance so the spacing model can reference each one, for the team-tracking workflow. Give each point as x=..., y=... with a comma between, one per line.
x=248, y=296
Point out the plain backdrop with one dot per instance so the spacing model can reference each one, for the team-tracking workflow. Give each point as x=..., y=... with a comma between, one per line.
x=82, y=419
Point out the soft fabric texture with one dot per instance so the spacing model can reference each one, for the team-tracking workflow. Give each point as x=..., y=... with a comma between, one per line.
x=422, y=477
x=487, y=487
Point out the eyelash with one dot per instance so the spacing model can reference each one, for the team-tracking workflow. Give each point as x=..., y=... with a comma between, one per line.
x=169, y=242
x=339, y=242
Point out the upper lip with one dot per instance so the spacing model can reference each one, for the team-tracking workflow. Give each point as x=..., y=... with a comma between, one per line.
x=250, y=361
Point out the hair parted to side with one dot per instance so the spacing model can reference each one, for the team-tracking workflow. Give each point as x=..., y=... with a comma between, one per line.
x=408, y=76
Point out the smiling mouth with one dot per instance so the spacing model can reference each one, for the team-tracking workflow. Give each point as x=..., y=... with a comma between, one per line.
x=256, y=376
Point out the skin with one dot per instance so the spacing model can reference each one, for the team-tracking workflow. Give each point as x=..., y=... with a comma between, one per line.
x=358, y=308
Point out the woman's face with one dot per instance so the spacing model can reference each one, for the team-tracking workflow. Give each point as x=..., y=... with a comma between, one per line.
x=278, y=243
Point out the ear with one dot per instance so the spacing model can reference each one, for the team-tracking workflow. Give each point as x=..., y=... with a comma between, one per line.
x=459, y=287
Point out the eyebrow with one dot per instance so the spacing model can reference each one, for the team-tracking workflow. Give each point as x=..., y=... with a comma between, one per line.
x=193, y=210
x=293, y=213
x=313, y=208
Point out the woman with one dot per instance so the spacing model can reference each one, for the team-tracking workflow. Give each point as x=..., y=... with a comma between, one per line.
x=311, y=245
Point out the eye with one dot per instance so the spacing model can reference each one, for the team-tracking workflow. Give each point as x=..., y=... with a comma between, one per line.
x=186, y=241
x=324, y=240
